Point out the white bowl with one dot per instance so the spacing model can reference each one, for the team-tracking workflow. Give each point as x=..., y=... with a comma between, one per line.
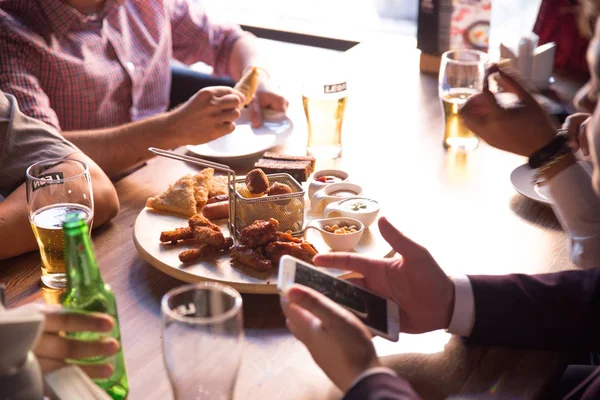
x=328, y=195
x=338, y=241
x=315, y=185
x=341, y=208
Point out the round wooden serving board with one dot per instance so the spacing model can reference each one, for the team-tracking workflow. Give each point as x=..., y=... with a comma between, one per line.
x=149, y=224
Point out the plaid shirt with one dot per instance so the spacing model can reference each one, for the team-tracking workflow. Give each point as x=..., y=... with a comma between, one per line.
x=79, y=72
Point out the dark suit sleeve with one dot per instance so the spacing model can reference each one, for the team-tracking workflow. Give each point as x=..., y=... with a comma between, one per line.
x=381, y=387
x=559, y=311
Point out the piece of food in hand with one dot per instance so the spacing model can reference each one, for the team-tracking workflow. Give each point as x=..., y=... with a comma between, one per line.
x=250, y=257
x=286, y=157
x=177, y=234
x=256, y=181
x=248, y=84
x=203, y=182
x=259, y=233
x=217, y=210
x=504, y=62
x=300, y=170
x=217, y=199
x=218, y=186
x=179, y=198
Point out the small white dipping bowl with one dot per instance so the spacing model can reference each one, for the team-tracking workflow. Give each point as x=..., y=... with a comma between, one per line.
x=331, y=193
x=343, y=208
x=316, y=185
x=338, y=241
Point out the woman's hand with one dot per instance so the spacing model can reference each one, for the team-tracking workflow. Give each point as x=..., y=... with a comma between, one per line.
x=576, y=125
x=338, y=342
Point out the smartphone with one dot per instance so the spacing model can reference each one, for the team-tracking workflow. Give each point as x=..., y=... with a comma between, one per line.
x=379, y=314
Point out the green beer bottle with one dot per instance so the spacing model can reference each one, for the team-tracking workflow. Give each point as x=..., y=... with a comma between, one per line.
x=86, y=292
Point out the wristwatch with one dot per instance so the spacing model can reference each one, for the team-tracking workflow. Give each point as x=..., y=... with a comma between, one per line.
x=555, y=148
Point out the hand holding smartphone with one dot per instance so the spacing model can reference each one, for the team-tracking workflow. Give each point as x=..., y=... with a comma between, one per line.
x=379, y=314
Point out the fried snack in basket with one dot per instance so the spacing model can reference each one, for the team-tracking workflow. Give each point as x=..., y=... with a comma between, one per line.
x=248, y=84
x=179, y=198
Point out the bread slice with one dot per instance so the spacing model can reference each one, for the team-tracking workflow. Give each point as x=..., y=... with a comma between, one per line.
x=248, y=84
x=300, y=170
x=179, y=198
x=285, y=157
x=203, y=182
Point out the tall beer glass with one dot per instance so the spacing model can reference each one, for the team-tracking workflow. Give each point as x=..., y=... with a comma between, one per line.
x=461, y=75
x=54, y=188
x=203, y=340
x=324, y=103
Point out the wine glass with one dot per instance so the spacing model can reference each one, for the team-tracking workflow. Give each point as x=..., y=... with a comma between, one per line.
x=56, y=187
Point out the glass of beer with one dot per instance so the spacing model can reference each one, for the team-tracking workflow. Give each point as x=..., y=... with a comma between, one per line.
x=324, y=103
x=54, y=188
x=202, y=340
x=461, y=75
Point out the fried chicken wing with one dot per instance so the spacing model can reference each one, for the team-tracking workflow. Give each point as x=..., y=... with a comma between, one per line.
x=205, y=232
x=259, y=233
x=304, y=251
x=287, y=237
x=200, y=220
x=176, y=235
x=203, y=251
x=250, y=257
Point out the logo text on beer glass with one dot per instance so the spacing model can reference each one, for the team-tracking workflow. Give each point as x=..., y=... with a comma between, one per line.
x=335, y=88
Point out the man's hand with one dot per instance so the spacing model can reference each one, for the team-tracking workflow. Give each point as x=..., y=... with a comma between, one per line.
x=54, y=348
x=267, y=96
x=576, y=125
x=414, y=281
x=338, y=342
x=521, y=129
x=207, y=115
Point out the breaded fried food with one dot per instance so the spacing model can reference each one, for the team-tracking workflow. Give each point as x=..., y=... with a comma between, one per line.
x=176, y=235
x=248, y=84
x=203, y=251
x=304, y=251
x=218, y=186
x=205, y=232
x=179, y=198
x=203, y=182
x=259, y=233
x=250, y=257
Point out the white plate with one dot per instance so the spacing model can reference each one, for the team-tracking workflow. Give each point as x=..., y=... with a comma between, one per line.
x=246, y=141
x=522, y=180
x=149, y=224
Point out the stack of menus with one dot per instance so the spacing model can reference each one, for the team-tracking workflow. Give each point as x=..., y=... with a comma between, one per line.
x=451, y=24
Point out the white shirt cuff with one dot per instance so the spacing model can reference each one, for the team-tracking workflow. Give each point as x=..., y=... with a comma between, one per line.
x=578, y=209
x=463, y=315
x=372, y=371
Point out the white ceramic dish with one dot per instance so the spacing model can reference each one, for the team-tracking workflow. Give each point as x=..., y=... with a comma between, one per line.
x=315, y=185
x=246, y=141
x=337, y=241
x=367, y=216
x=522, y=180
x=323, y=197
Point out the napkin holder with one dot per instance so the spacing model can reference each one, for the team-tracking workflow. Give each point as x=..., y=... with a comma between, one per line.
x=535, y=63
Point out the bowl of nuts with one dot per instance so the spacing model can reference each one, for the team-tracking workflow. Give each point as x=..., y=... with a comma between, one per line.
x=340, y=234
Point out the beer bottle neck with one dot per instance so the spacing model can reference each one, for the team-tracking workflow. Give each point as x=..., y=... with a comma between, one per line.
x=82, y=269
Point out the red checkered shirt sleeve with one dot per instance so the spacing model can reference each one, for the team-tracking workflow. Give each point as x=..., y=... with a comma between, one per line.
x=16, y=78
x=197, y=38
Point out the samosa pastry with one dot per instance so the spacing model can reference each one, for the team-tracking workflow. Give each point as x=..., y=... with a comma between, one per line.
x=218, y=186
x=203, y=182
x=179, y=198
x=248, y=84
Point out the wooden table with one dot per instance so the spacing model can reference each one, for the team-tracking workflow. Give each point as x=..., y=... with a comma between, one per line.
x=461, y=207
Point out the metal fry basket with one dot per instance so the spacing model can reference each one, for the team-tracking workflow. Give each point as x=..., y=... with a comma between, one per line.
x=288, y=209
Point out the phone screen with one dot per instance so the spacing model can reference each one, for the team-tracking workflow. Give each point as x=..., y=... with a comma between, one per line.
x=370, y=309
